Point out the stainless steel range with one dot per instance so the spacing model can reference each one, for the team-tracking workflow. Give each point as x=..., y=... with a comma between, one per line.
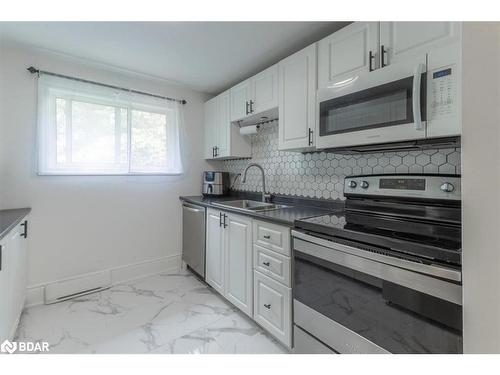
x=385, y=274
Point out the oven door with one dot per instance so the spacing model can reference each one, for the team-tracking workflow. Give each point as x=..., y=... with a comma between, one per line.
x=353, y=302
x=383, y=106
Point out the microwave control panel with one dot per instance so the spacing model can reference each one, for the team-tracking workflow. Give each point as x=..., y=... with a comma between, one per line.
x=443, y=88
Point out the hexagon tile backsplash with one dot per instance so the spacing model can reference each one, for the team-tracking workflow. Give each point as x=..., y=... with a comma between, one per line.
x=321, y=174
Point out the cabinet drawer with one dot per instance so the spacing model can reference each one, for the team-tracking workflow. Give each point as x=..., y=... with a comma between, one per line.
x=272, y=264
x=272, y=236
x=272, y=307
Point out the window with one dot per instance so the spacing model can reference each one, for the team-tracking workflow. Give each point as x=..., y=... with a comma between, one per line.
x=87, y=129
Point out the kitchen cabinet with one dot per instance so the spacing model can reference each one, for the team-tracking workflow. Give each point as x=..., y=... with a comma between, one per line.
x=210, y=127
x=222, y=138
x=272, y=279
x=348, y=52
x=363, y=47
x=215, y=250
x=265, y=90
x=229, y=257
x=238, y=268
x=241, y=94
x=256, y=96
x=297, y=100
x=402, y=40
x=273, y=307
x=13, y=279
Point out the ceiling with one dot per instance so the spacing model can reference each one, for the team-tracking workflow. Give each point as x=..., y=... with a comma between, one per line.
x=205, y=56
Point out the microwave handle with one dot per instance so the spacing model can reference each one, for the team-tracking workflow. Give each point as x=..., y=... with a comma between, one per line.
x=417, y=78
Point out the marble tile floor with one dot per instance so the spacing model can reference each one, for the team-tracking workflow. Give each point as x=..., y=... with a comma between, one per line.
x=165, y=313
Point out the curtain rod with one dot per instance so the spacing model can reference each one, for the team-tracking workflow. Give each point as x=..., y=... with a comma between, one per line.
x=33, y=70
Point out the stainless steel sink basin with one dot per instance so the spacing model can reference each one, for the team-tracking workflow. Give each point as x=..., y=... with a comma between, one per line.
x=249, y=206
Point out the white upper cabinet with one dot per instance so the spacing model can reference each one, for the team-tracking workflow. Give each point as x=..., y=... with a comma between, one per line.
x=264, y=90
x=400, y=40
x=223, y=124
x=297, y=100
x=241, y=95
x=256, y=95
x=222, y=138
x=348, y=52
x=210, y=127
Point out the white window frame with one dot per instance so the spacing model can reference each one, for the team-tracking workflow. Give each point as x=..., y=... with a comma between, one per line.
x=47, y=130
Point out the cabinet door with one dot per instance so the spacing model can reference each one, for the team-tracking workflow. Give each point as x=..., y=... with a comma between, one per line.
x=240, y=98
x=223, y=124
x=215, y=251
x=21, y=277
x=265, y=90
x=4, y=291
x=346, y=53
x=210, y=127
x=405, y=39
x=238, y=254
x=297, y=99
x=12, y=285
x=273, y=307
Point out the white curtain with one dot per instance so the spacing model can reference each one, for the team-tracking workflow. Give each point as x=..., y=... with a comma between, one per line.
x=88, y=129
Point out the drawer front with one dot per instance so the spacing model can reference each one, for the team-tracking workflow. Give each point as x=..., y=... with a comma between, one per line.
x=272, y=307
x=272, y=264
x=272, y=236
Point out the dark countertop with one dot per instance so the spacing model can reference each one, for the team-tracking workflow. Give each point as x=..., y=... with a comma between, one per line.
x=284, y=216
x=10, y=218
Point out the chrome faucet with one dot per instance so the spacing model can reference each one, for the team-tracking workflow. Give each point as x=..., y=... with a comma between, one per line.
x=264, y=195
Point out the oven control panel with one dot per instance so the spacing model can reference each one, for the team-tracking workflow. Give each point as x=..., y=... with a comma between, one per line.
x=410, y=186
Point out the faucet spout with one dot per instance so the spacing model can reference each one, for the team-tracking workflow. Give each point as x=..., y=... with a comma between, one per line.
x=264, y=195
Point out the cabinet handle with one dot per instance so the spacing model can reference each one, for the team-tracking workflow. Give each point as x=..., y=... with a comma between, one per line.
x=25, y=225
x=267, y=264
x=220, y=219
x=247, y=106
x=225, y=225
x=216, y=151
x=267, y=306
x=383, y=51
x=266, y=236
x=251, y=106
x=309, y=137
x=213, y=152
x=370, y=58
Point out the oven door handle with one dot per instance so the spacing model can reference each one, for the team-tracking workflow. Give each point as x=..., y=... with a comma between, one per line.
x=417, y=87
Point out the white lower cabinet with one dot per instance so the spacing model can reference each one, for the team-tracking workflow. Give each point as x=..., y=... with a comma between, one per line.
x=229, y=257
x=238, y=255
x=214, y=274
x=13, y=281
x=273, y=307
x=248, y=262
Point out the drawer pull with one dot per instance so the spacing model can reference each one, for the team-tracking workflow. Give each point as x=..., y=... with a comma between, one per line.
x=267, y=305
x=267, y=264
x=267, y=236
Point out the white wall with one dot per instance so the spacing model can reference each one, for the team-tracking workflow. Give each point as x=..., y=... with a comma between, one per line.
x=481, y=187
x=86, y=224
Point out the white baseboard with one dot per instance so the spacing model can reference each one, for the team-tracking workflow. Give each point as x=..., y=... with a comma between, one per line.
x=35, y=294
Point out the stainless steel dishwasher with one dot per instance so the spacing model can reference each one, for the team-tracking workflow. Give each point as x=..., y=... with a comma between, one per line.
x=193, y=237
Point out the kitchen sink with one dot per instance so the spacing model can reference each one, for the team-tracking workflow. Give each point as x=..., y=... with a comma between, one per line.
x=249, y=205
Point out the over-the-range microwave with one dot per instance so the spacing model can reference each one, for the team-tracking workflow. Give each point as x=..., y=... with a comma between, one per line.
x=412, y=99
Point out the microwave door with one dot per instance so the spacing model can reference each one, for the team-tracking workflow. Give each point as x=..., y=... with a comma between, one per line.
x=387, y=105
